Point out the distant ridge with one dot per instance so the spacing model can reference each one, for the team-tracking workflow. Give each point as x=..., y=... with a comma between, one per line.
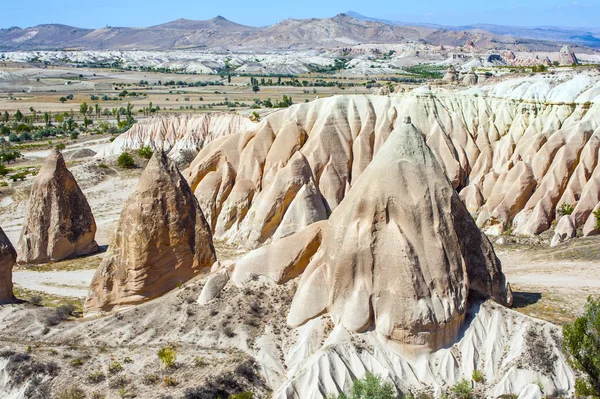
x=581, y=36
x=343, y=30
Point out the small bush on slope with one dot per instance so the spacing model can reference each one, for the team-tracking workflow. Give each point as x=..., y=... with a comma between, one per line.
x=125, y=161
x=370, y=387
x=145, y=152
x=582, y=344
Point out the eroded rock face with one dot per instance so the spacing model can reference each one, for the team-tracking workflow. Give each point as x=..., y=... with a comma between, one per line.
x=162, y=241
x=400, y=254
x=514, y=151
x=8, y=257
x=58, y=222
x=177, y=134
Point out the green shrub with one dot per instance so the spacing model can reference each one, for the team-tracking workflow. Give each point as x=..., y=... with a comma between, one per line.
x=95, y=377
x=477, y=376
x=462, y=390
x=597, y=216
x=168, y=356
x=369, y=387
x=169, y=381
x=243, y=395
x=103, y=166
x=565, y=209
x=115, y=367
x=72, y=392
x=125, y=161
x=60, y=146
x=127, y=360
x=77, y=362
x=145, y=152
x=582, y=344
x=150, y=379
x=3, y=170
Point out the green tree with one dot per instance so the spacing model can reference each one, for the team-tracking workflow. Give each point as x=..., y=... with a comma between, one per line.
x=47, y=118
x=60, y=146
x=255, y=88
x=125, y=161
x=18, y=116
x=582, y=344
x=62, y=100
x=83, y=109
x=5, y=117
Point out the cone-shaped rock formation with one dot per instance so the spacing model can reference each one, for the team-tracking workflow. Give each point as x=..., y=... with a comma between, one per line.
x=58, y=222
x=8, y=257
x=162, y=241
x=401, y=254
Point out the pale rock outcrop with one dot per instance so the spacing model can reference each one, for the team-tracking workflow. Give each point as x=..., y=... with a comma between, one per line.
x=470, y=78
x=162, y=241
x=590, y=228
x=213, y=287
x=400, y=254
x=514, y=150
x=531, y=391
x=58, y=221
x=178, y=133
x=565, y=229
x=8, y=258
x=451, y=75
x=566, y=56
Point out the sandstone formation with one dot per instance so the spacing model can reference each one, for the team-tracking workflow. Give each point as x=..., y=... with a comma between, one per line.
x=8, y=257
x=400, y=254
x=566, y=56
x=58, y=222
x=177, y=134
x=162, y=241
x=451, y=75
x=515, y=151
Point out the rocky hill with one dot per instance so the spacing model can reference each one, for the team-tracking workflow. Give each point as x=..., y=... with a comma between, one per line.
x=339, y=31
x=516, y=151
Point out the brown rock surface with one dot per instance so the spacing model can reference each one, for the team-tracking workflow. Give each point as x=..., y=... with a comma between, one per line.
x=162, y=241
x=514, y=150
x=58, y=222
x=400, y=254
x=8, y=257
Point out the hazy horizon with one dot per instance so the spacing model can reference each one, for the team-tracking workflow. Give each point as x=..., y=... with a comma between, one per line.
x=566, y=14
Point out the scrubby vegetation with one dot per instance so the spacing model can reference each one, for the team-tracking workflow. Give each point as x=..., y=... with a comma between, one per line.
x=126, y=161
x=168, y=356
x=582, y=344
x=369, y=387
x=565, y=209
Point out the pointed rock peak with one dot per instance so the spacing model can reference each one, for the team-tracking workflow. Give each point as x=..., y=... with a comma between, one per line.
x=8, y=257
x=400, y=253
x=171, y=245
x=59, y=223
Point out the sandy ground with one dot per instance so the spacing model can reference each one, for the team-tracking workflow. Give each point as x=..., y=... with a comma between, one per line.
x=553, y=283
x=64, y=283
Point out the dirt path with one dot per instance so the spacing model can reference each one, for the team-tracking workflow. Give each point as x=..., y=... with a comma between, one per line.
x=553, y=283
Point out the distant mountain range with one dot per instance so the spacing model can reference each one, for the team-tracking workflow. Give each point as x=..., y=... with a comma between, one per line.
x=343, y=30
x=586, y=37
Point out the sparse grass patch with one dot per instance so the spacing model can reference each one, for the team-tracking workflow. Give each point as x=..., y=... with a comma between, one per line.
x=115, y=367
x=96, y=377
x=169, y=381
x=462, y=390
x=72, y=392
x=150, y=379
x=477, y=376
x=118, y=382
x=168, y=356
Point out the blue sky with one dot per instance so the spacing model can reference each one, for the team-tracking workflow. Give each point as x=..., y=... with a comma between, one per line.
x=96, y=14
